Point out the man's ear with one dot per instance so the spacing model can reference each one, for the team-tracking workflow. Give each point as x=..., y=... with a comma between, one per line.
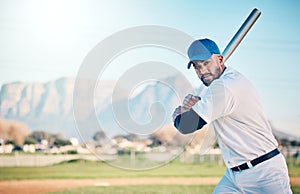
x=220, y=58
x=221, y=62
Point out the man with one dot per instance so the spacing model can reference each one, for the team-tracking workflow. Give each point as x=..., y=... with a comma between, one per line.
x=232, y=108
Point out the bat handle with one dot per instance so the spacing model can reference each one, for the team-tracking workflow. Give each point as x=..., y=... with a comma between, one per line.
x=199, y=98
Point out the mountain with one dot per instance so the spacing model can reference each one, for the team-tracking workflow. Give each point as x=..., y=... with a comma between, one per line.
x=284, y=136
x=45, y=106
x=115, y=108
x=49, y=106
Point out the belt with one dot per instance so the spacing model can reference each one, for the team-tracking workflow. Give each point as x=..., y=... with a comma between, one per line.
x=256, y=161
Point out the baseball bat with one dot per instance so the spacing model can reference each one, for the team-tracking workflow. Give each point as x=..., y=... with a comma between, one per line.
x=241, y=33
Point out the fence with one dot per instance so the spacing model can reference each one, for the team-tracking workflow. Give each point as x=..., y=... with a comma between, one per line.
x=44, y=160
x=292, y=157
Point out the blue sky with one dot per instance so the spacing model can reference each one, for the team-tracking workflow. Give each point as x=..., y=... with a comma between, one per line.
x=46, y=40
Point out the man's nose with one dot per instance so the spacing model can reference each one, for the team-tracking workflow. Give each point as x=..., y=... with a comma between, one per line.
x=202, y=71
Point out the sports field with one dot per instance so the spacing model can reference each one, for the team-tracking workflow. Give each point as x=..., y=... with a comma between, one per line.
x=97, y=177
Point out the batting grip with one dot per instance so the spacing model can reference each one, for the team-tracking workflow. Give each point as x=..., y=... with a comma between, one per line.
x=241, y=33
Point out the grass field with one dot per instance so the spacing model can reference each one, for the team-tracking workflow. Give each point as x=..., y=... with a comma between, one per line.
x=144, y=189
x=86, y=170
x=150, y=189
x=80, y=169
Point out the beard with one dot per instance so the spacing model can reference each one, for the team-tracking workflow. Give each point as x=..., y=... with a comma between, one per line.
x=207, y=82
x=214, y=76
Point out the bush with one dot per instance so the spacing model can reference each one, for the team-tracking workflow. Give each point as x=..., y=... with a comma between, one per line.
x=72, y=152
x=62, y=142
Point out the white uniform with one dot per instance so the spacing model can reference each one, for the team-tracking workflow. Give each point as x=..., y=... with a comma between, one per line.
x=233, y=109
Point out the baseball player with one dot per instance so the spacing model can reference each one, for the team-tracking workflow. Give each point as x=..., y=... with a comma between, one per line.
x=232, y=108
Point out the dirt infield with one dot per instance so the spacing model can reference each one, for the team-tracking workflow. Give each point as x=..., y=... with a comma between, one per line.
x=51, y=185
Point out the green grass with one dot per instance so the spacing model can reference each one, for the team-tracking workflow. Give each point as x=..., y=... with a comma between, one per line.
x=150, y=189
x=143, y=189
x=86, y=170
x=81, y=169
x=294, y=170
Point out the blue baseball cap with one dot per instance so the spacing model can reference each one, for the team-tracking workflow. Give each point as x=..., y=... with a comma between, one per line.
x=202, y=49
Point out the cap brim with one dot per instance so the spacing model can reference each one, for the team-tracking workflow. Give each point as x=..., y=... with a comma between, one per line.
x=202, y=57
x=189, y=64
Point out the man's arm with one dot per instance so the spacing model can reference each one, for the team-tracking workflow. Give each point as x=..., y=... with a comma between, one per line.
x=188, y=122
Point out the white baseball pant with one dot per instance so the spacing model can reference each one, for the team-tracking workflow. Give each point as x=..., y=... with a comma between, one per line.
x=268, y=177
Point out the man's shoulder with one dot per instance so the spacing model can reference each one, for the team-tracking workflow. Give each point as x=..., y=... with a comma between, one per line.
x=236, y=82
x=231, y=80
x=232, y=76
x=230, y=72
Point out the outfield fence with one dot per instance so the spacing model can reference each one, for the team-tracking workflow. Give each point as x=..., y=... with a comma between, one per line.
x=20, y=159
x=45, y=160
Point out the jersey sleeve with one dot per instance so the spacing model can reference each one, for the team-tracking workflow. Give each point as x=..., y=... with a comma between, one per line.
x=189, y=122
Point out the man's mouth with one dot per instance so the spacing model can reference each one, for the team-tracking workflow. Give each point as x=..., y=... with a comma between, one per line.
x=205, y=76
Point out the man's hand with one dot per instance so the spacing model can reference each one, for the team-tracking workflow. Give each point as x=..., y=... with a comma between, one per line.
x=189, y=101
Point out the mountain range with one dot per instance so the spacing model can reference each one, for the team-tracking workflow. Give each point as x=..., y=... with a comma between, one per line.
x=49, y=107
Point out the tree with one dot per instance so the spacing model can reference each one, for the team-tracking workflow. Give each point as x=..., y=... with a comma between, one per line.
x=101, y=138
x=13, y=130
x=53, y=139
x=40, y=135
x=100, y=135
x=295, y=143
x=62, y=142
x=285, y=142
x=30, y=140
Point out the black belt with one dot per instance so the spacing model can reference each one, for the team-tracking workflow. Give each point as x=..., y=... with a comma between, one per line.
x=256, y=161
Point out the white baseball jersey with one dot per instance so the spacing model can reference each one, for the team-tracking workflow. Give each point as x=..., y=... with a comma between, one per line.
x=232, y=108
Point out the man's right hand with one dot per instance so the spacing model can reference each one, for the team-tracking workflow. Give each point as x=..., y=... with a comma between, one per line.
x=189, y=101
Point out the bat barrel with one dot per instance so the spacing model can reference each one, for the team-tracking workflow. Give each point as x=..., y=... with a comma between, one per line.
x=240, y=34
